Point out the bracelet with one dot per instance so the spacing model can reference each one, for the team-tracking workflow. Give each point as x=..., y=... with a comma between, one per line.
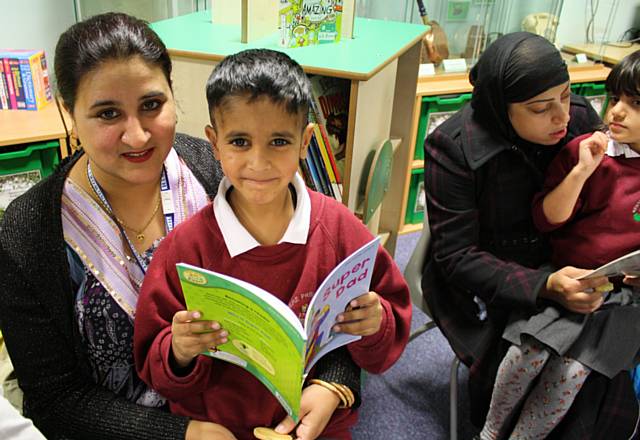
x=343, y=392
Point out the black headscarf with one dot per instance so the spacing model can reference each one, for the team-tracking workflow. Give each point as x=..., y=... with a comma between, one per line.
x=515, y=68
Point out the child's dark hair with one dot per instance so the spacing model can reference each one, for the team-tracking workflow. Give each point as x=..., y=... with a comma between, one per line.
x=624, y=78
x=111, y=36
x=255, y=73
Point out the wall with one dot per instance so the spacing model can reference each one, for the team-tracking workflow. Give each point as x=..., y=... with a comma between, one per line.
x=34, y=24
x=575, y=16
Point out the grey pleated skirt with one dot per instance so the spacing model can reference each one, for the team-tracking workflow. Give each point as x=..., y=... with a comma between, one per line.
x=607, y=340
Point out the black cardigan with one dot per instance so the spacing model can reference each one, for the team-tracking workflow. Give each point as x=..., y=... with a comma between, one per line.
x=42, y=337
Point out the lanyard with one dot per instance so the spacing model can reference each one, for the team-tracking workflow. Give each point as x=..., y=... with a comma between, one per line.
x=167, y=209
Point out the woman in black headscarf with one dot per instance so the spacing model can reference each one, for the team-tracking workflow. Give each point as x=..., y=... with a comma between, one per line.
x=482, y=168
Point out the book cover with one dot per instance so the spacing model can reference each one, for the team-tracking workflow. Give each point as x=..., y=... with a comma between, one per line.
x=628, y=264
x=27, y=84
x=266, y=338
x=314, y=153
x=308, y=22
x=9, y=80
x=4, y=91
x=331, y=102
x=18, y=86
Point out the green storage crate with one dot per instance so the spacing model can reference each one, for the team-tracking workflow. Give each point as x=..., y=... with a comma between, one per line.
x=434, y=110
x=416, y=201
x=23, y=166
x=596, y=94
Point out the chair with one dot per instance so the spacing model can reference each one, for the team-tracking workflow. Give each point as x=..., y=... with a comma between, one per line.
x=413, y=276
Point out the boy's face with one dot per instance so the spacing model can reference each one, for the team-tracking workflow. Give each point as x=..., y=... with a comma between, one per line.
x=623, y=118
x=259, y=145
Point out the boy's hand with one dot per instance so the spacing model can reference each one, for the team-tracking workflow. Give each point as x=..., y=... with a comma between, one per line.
x=362, y=317
x=197, y=430
x=189, y=337
x=591, y=153
x=316, y=408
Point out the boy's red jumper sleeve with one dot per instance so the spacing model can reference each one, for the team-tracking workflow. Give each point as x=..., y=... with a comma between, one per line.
x=160, y=298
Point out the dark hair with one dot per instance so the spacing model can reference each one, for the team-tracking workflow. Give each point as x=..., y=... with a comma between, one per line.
x=111, y=36
x=624, y=78
x=255, y=73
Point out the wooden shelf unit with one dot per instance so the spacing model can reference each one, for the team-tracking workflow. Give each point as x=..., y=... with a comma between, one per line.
x=381, y=62
x=27, y=126
x=457, y=83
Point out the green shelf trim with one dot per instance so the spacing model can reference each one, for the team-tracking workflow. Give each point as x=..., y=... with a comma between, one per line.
x=375, y=44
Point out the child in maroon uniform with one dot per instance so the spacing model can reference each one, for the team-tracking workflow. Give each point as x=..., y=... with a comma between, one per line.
x=590, y=205
x=264, y=227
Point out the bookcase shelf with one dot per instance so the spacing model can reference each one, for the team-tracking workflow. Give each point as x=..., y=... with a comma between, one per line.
x=381, y=62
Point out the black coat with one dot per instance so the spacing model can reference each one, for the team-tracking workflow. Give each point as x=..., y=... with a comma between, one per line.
x=485, y=253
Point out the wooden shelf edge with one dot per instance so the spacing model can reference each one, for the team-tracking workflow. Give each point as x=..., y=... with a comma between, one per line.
x=384, y=237
x=409, y=228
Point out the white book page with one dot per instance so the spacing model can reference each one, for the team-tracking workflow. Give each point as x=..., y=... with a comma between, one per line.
x=350, y=279
x=626, y=265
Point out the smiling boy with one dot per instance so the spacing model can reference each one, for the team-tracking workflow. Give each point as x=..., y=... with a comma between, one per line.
x=266, y=228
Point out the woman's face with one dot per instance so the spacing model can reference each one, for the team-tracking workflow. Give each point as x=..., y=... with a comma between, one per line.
x=542, y=119
x=125, y=118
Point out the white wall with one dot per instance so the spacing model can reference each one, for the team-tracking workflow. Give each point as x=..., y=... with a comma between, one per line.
x=34, y=24
x=575, y=16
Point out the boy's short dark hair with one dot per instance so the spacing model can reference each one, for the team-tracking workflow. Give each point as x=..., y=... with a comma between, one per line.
x=255, y=73
x=624, y=78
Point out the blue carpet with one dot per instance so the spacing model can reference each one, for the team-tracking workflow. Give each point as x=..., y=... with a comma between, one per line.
x=411, y=399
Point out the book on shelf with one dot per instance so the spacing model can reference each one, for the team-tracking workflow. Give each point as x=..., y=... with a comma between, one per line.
x=27, y=78
x=628, y=264
x=266, y=338
x=331, y=106
x=308, y=22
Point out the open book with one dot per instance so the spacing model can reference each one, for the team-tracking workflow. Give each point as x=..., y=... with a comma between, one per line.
x=628, y=264
x=265, y=336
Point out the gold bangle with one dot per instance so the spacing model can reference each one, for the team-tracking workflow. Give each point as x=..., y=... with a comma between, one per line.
x=333, y=389
x=347, y=393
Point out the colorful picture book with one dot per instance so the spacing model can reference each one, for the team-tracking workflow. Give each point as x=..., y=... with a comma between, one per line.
x=308, y=22
x=265, y=336
x=24, y=80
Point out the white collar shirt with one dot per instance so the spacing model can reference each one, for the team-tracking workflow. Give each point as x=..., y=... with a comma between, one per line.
x=236, y=237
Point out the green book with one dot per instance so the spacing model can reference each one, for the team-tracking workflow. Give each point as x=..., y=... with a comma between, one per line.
x=307, y=22
x=266, y=338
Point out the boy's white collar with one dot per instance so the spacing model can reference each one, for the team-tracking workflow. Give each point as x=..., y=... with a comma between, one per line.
x=615, y=148
x=236, y=237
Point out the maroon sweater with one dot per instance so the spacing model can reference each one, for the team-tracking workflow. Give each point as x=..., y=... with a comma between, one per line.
x=602, y=226
x=222, y=392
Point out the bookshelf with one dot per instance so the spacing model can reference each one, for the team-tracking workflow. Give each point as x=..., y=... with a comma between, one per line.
x=380, y=62
x=454, y=85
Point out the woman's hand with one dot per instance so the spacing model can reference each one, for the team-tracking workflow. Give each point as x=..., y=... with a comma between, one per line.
x=578, y=296
x=190, y=338
x=362, y=317
x=197, y=430
x=632, y=280
x=316, y=408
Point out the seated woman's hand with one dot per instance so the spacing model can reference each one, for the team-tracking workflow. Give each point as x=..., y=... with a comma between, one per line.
x=190, y=337
x=316, y=408
x=362, y=317
x=197, y=430
x=632, y=280
x=578, y=296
